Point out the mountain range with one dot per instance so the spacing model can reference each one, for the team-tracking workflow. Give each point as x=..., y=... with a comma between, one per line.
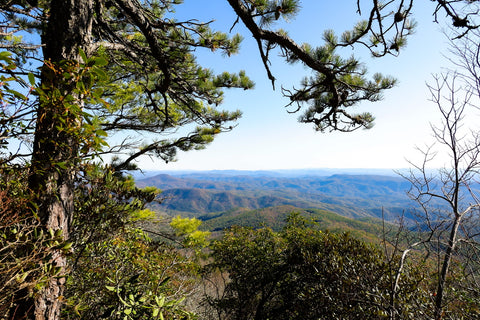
x=208, y=194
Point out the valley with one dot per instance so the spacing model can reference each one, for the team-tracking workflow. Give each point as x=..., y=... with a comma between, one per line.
x=342, y=201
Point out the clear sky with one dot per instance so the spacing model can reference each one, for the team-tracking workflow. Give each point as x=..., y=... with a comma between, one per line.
x=267, y=137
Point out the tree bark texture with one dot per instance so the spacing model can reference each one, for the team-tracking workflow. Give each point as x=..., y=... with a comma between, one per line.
x=69, y=29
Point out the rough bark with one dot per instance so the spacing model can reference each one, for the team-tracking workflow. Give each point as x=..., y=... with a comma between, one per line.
x=68, y=30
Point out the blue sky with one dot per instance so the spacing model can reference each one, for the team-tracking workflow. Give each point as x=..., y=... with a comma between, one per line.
x=267, y=137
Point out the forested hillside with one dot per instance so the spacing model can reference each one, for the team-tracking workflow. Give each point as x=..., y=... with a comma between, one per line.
x=355, y=196
x=367, y=229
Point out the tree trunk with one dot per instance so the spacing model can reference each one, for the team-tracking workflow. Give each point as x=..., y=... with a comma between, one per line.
x=55, y=149
x=445, y=267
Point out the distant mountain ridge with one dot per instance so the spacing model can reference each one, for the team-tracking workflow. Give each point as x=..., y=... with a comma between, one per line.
x=200, y=193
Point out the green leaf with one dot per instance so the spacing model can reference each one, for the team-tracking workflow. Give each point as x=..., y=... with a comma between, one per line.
x=100, y=61
x=160, y=302
x=80, y=86
x=67, y=246
x=83, y=55
x=16, y=94
x=101, y=133
x=62, y=165
x=5, y=56
x=31, y=79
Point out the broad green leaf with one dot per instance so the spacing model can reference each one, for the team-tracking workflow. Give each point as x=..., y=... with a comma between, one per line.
x=31, y=79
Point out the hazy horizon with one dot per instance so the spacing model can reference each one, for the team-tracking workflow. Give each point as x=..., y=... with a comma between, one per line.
x=281, y=172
